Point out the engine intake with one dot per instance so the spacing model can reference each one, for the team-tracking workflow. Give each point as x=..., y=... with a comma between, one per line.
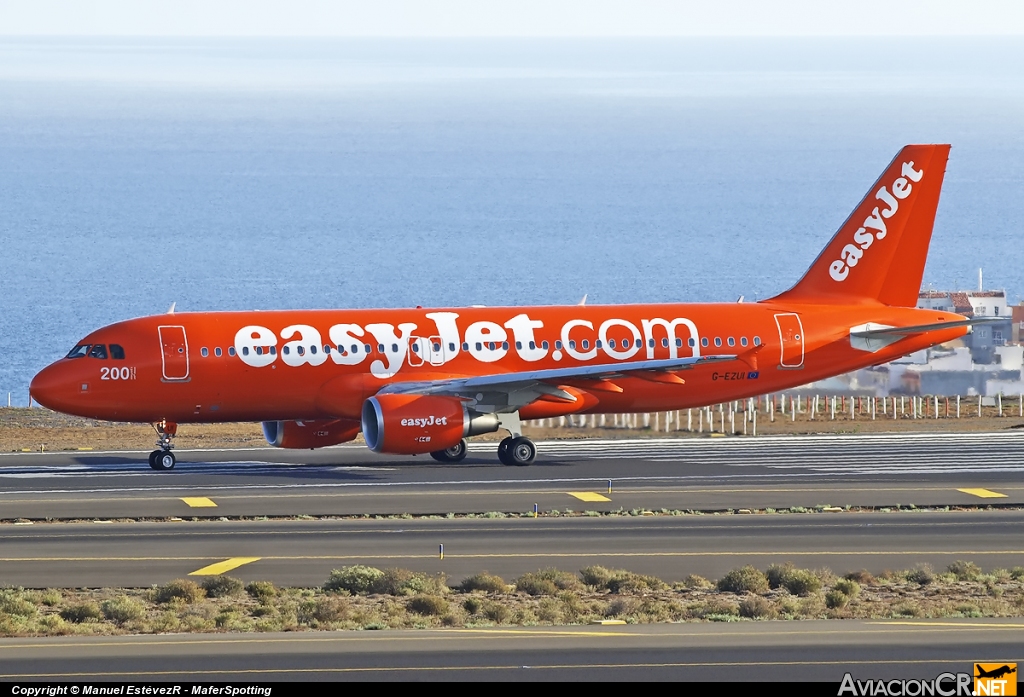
x=412, y=424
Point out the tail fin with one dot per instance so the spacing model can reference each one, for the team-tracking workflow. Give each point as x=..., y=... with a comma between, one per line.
x=878, y=254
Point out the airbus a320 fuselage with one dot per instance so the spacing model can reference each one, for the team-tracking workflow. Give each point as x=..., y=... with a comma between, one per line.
x=423, y=380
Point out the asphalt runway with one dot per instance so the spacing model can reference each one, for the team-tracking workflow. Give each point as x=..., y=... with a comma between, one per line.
x=720, y=652
x=709, y=474
x=302, y=553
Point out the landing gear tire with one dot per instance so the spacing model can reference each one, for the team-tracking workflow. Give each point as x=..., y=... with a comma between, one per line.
x=503, y=452
x=456, y=453
x=517, y=452
x=522, y=451
x=162, y=460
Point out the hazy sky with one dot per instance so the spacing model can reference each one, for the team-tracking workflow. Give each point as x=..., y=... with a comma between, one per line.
x=540, y=18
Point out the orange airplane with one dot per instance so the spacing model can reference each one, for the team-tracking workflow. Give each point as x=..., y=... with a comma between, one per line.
x=423, y=380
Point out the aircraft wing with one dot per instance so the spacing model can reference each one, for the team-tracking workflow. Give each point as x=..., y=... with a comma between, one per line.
x=503, y=392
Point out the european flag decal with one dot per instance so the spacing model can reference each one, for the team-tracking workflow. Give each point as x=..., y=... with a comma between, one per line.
x=753, y=375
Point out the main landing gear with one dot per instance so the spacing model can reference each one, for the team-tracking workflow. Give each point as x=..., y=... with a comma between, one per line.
x=516, y=450
x=163, y=458
x=456, y=453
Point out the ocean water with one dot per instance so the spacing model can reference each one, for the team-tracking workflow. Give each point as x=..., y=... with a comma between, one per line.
x=263, y=174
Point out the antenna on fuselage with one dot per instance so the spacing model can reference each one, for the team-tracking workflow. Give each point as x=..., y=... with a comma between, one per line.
x=739, y=299
x=583, y=301
x=170, y=310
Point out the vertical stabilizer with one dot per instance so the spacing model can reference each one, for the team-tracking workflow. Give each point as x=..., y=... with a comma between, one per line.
x=878, y=254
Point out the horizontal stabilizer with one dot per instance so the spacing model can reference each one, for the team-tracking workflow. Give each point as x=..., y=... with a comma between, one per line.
x=873, y=337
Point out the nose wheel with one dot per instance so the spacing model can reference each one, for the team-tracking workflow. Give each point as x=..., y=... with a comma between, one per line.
x=162, y=458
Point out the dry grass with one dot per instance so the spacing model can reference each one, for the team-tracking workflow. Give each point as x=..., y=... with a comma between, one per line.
x=548, y=598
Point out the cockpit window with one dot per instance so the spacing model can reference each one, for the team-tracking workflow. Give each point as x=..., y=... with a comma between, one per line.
x=98, y=351
x=116, y=352
x=79, y=351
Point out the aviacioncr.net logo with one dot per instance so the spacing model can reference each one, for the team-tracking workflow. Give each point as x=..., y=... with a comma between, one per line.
x=944, y=685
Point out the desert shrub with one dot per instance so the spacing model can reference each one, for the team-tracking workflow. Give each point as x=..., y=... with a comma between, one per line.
x=405, y=582
x=261, y=590
x=863, y=577
x=1017, y=573
x=847, y=587
x=622, y=606
x=835, y=599
x=428, y=605
x=13, y=602
x=122, y=609
x=755, y=607
x=356, y=580
x=776, y=574
x=489, y=583
x=635, y=583
x=745, y=579
x=49, y=598
x=472, y=605
x=84, y=612
x=324, y=609
x=597, y=576
x=964, y=570
x=546, y=582
x=181, y=590
x=802, y=582
x=496, y=612
x=921, y=574
x=222, y=586
x=694, y=582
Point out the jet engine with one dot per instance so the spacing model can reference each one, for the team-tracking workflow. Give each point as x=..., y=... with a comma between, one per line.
x=412, y=424
x=309, y=434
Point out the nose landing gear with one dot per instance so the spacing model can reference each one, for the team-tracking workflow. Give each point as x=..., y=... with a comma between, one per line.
x=163, y=458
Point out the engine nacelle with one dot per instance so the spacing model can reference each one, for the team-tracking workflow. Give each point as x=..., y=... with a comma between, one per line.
x=411, y=424
x=309, y=434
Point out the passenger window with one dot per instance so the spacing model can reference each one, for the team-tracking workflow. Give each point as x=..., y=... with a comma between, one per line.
x=519, y=345
x=490, y=345
x=367, y=348
x=757, y=341
x=327, y=348
x=380, y=348
x=679, y=342
x=394, y=348
x=504, y=345
x=451, y=346
x=415, y=347
x=718, y=341
x=544, y=345
x=650, y=343
x=586, y=344
x=479, y=346
x=231, y=350
x=664, y=343
x=98, y=351
x=287, y=350
x=217, y=352
x=273, y=350
x=78, y=351
x=533, y=345
x=743, y=341
x=611, y=343
x=205, y=351
x=732, y=342
x=639, y=343
x=704, y=341
x=312, y=350
x=116, y=352
x=301, y=350
x=245, y=350
x=558, y=345
x=572, y=344
x=692, y=342
x=259, y=350
x=437, y=348
x=340, y=349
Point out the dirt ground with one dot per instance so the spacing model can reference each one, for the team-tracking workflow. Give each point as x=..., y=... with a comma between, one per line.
x=40, y=429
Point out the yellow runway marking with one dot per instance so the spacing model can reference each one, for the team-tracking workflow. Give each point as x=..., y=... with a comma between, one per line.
x=222, y=566
x=199, y=502
x=983, y=493
x=588, y=496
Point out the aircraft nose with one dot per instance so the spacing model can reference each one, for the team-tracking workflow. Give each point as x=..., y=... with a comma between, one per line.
x=50, y=388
